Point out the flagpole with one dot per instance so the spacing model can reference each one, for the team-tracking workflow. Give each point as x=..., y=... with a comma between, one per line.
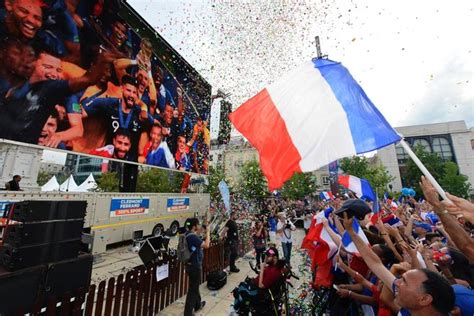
x=424, y=170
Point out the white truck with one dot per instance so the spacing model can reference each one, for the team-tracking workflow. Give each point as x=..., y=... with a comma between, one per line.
x=114, y=217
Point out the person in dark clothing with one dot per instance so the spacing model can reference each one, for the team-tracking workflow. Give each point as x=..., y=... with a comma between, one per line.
x=14, y=185
x=194, y=266
x=231, y=235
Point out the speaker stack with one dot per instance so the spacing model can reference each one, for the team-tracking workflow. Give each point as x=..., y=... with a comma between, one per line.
x=40, y=255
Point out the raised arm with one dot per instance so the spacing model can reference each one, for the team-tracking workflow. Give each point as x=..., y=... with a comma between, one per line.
x=371, y=259
x=459, y=236
x=93, y=75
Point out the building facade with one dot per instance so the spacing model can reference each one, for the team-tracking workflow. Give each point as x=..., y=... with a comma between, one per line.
x=82, y=166
x=51, y=168
x=452, y=141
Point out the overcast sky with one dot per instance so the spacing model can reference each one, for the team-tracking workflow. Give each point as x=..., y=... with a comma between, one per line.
x=414, y=59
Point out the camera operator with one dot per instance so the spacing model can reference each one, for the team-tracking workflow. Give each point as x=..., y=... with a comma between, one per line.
x=284, y=229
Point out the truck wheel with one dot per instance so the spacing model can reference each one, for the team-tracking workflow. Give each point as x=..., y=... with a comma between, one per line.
x=174, y=228
x=158, y=230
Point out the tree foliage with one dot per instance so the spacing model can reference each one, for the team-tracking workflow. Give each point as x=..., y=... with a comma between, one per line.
x=454, y=182
x=360, y=167
x=108, y=182
x=253, y=184
x=155, y=180
x=299, y=186
x=446, y=173
x=431, y=161
x=216, y=175
x=43, y=177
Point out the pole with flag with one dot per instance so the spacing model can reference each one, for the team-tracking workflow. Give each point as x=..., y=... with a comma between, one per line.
x=287, y=137
x=311, y=116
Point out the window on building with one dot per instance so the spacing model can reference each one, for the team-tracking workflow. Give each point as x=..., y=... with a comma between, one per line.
x=423, y=142
x=442, y=147
x=402, y=156
x=326, y=180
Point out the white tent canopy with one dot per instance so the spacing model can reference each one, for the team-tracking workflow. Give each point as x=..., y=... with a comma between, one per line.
x=69, y=185
x=51, y=185
x=88, y=184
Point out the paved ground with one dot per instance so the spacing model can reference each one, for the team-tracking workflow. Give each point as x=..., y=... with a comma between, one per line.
x=220, y=302
x=121, y=259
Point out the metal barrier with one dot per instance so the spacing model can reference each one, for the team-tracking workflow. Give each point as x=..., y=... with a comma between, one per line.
x=136, y=293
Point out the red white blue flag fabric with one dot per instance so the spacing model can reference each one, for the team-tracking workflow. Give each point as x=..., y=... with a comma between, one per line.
x=361, y=187
x=321, y=248
x=311, y=116
x=325, y=195
x=347, y=240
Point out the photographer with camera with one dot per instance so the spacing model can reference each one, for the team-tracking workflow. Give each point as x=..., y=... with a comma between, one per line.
x=284, y=229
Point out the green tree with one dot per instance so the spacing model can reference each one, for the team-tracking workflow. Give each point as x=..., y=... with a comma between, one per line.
x=454, y=182
x=360, y=167
x=431, y=161
x=154, y=180
x=253, y=184
x=43, y=177
x=216, y=175
x=299, y=186
x=108, y=182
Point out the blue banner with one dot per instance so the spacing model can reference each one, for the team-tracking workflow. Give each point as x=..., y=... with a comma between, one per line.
x=3, y=205
x=177, y=204
x=224, y=190
x=124, y=207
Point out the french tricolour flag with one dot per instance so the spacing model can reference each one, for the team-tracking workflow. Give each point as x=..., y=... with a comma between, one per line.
x=321, y=248
x=361, y=187
x=347, y=240
x=326, y=195
x=311, y=116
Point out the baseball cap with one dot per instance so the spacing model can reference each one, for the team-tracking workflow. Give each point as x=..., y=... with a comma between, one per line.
x=354, y=208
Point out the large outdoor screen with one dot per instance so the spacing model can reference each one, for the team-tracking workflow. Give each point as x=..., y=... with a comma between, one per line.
x=92, y=77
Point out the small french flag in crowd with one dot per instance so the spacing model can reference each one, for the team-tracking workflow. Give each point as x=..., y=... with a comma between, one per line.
x=392, y=220
x=326, y=195
x=347, y=240
x=280, y=121
x=361, y=187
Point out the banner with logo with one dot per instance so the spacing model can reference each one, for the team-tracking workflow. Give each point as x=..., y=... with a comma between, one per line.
x=177, y=204
x=124, y=207
x=3, y=205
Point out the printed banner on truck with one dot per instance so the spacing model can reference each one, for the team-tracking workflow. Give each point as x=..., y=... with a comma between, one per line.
x=93, y=77
x=3, y=205
x=178, y=204
x=124, y=207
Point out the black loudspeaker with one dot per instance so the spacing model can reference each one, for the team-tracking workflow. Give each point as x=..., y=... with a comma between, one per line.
x=32, y=211
x=43, y=232
x=20, y=289
x=15, y=258
x=150, y=249
x=68, y=276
